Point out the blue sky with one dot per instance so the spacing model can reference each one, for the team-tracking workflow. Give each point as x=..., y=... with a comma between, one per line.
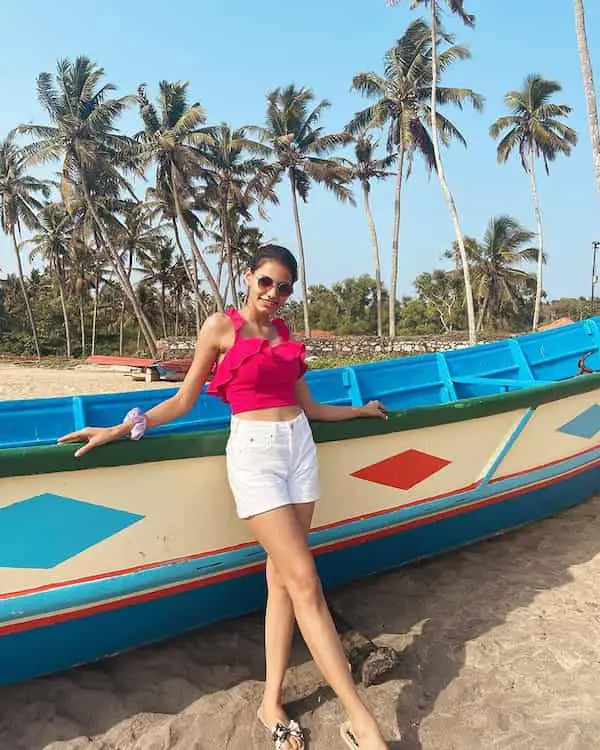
x=234, y=52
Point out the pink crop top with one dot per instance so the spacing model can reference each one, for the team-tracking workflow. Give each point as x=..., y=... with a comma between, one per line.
x=254, y=374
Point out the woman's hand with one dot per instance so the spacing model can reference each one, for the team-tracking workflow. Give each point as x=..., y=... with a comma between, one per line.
x=93, y=437
x=374, y=409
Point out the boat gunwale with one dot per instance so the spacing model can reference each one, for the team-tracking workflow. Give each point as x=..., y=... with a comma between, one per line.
x=49, y=459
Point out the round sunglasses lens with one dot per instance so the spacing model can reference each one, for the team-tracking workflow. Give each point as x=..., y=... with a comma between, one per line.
x=265, y=282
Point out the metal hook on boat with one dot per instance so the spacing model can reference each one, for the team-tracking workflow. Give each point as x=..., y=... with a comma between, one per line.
x=583, y=368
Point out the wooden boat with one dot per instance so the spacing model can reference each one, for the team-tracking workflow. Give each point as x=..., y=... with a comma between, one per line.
x=146, y=369
x=137, y=542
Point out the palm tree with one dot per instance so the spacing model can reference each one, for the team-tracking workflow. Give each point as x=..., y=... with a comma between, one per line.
x=237, y=178
x=156, y=266
x=535, y=131
x=588, y=85
x=80, y=262
x=83, y=135
x=162, y=206
x=497, y=276
x=19, y=207
x=403, y=99
x=364, y=169
x=135, y=236
x=99, y=273
x=171, y=140
x=456, y=7
x=179, y=285
x=298, y=146
x=52, y=242
x=245, y=241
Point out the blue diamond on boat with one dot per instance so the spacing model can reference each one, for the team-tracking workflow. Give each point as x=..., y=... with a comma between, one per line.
x=585, y=425
x=48, y=529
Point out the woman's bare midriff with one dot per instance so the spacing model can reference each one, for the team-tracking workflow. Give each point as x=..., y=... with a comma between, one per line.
x=275, y=414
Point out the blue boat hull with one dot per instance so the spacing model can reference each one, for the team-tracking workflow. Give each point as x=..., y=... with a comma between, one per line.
x=61, y=645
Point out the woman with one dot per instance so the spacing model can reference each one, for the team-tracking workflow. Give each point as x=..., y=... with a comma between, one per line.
x=272, y=472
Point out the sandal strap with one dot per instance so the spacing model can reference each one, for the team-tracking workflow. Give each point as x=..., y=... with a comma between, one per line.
x=295, y=730
x=281, y=733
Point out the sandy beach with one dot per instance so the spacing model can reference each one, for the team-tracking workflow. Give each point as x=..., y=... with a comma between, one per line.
x=500, y=648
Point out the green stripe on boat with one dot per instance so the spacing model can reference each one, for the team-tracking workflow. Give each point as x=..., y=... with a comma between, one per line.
x=46, y=459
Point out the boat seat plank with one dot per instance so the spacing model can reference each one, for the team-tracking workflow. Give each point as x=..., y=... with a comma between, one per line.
x=446, y=377
x=521, y=359
x=516, y=382
x=351, y=383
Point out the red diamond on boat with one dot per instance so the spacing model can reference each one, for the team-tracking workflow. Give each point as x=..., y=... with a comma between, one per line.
x=404, y=470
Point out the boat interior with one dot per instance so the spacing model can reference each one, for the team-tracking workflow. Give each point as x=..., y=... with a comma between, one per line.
x=406, y=382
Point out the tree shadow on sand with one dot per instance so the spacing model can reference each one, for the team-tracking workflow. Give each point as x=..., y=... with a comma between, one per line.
x=429, y=611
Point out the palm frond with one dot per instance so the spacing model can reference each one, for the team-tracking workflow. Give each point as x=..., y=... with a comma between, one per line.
x=420, y=141
x=147, y=110
x=189, y=120
x=503, y=123
x=448, y=131
x=325, y=144
x=370, y=117
x=458, y=96
x=48, y=95
x=450, y=55
x=369, y=84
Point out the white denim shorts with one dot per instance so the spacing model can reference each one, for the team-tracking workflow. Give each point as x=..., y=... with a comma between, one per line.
x=271, y=464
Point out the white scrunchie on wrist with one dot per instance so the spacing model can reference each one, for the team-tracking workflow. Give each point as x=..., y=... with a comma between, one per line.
x=140, y=423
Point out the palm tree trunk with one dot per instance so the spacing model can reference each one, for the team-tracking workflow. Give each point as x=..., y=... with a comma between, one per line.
x=32, y=325
x=220, y=269
x=130, y=295
x=540, y=232
x=82, y=324
x=588, y=85
x=195, y=249
x=63, y=304
x=193, y=278
x=163, y=308
x=442, y=177
x=229, y=256
x=302, y=264
x=121, y=327
x=395, y=243
x=482, y=312
x=95, y=312
x=376, y=260
x=121, y=272
x=226, y=289
x=122, y=316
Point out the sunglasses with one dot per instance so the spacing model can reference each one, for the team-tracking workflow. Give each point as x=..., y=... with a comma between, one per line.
x=284, y=288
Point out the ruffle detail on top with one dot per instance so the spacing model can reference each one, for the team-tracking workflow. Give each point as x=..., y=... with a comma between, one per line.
x=244, y=350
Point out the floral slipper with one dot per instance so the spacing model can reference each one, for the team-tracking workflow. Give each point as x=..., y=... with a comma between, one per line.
x=348, y=735
x=280, y=733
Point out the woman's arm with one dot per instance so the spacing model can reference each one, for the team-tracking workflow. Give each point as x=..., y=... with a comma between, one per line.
x=208, y=347
x=325, y=413
x=207, y=350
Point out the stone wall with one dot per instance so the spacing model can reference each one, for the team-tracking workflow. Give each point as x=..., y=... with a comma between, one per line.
x=368, y=346
x=363, y=347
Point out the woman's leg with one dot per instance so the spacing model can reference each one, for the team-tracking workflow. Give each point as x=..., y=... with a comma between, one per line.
x=282, y=536
x=279, y=631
